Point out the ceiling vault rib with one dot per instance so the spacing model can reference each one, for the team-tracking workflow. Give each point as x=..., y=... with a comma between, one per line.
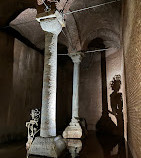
x=69, y=38
x=77, y=28
x=65, y=5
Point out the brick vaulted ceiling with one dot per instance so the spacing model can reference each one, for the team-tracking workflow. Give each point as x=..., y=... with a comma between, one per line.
x=81, y=27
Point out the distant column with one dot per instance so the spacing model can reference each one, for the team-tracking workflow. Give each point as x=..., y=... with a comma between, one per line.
x=76, y=58
x=74, y=129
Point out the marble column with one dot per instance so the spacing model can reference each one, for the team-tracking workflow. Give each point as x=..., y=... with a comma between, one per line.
x=48, y=144
x=74, y=129
x=48, y=117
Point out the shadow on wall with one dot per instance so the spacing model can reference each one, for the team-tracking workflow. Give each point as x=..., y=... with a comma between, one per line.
x=115, y=146
x=105, y=124
x=117, y=103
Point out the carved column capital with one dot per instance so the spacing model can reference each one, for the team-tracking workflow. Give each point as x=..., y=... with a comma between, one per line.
x=51, y=23
x=76, y=57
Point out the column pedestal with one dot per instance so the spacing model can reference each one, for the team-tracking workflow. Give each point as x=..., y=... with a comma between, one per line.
x=74, y=129
x=50, y=147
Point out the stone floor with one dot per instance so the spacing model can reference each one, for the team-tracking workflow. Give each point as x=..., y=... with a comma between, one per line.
x=94, y=146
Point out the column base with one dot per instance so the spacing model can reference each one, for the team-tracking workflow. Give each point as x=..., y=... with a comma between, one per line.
x=50, y=147
x=74, y=130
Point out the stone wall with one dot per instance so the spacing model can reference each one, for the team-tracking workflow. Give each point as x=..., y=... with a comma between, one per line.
x=6, y=79
x=91, y=88
x=23, y=87
x=132, y=54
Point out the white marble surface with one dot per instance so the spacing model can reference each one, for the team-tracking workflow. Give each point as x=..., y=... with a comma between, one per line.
x=50, y=147
x=74, y=129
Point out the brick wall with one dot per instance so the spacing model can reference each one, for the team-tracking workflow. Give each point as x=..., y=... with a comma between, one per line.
x=132, y=54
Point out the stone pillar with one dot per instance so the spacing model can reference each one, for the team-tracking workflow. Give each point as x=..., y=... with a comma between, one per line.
x=74, y=129
x=76, y=58
x=48, y=117
x=48, y=144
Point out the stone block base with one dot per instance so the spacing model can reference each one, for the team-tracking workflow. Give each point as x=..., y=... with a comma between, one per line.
x=73, y=132
x=76, y=143
x=50, y=147
x=74, y=146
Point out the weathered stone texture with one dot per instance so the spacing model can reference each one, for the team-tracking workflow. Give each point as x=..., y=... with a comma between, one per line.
x=132, y=53
x=73, y=132
x=48, y=115
x=50, y=147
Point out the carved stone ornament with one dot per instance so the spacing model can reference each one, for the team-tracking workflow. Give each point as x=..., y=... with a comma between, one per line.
x=32, y=126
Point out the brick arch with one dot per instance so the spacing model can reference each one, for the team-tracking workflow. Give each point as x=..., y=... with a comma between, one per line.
x=111, y=39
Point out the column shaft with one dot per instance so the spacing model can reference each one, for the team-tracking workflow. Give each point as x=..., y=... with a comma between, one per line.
x=48, y=144
x=75, y=98
x=48, y=117
x=74, y=129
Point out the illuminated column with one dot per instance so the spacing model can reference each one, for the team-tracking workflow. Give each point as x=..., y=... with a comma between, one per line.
x=48, y=117
x=76, y=58
x=48, y=144
x=74, y=129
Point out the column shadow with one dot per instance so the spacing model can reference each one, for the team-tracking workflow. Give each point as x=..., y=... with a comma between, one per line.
x=105, y=124
x=112, y=142
x=117, y=104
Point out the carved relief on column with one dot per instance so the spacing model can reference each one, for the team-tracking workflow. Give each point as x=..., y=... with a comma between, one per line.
x=52, y=25
x=48, y=117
